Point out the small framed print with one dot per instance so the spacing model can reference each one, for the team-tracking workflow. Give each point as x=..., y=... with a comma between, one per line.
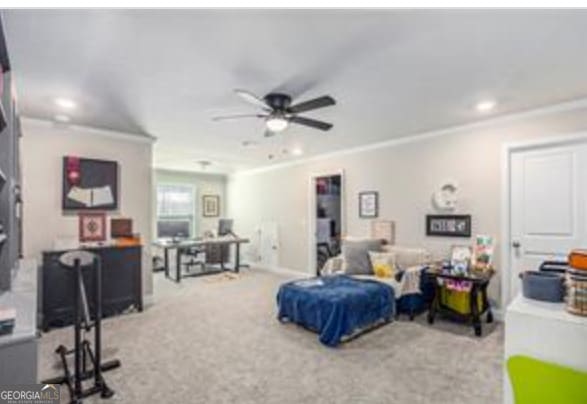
x=383, y=230
x=92, y=226
x=211, y=204
x=448, y=225
x=368, y=204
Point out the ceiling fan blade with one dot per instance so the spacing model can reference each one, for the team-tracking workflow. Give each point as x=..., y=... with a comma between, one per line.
x=252, y=99
x=238, y=116
x=310, y=122
x=320, y=102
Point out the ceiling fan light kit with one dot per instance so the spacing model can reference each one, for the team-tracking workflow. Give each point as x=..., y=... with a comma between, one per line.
x=276, y=123
x=278, y=112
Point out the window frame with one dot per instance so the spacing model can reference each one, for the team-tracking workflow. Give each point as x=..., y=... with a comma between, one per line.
x=194, y=216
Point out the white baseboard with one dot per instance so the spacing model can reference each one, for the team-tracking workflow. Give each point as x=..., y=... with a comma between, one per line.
x=148, y=300
x=498, y=315
x=281, y=271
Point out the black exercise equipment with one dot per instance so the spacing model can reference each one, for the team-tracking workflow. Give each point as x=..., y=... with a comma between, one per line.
x=77, y=261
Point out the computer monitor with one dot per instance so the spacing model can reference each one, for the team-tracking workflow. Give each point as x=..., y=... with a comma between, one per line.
x=173, y=228
x=225, y=227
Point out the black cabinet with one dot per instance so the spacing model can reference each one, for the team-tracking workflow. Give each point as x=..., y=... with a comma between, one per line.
x=121, y=284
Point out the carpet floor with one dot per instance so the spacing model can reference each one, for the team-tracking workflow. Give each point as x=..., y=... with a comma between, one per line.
x=209, y=340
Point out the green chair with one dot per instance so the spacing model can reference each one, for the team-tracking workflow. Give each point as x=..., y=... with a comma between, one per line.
x=538, y=382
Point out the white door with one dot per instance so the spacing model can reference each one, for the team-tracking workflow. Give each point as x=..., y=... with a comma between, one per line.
x=269, y=245
x=263, y=250
x=548, y=206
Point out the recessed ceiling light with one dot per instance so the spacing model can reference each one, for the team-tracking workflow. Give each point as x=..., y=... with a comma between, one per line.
x=297, y=151
x=486, y=106
x=65, y=103
x=249, y=143
x=62, y=118
x=204, y=164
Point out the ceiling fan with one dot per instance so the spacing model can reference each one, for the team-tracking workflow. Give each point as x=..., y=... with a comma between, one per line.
x=278, y=112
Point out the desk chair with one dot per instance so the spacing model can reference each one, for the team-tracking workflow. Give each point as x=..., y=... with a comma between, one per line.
x=193, y=254
x=220, y=255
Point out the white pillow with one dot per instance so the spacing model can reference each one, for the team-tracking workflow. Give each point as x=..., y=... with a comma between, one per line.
x=334, y=265
x=407, y=257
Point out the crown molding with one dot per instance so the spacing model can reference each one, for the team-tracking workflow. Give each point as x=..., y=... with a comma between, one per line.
x=203, y=174
x=87, y=130
x=422, y=136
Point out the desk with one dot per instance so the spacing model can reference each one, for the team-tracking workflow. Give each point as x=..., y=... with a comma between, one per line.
x=181, y=246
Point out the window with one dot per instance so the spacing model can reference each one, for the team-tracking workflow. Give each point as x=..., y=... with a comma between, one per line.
x=175, y=210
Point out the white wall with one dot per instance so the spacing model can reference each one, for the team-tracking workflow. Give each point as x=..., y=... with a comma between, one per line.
x=43, y=147
x=204, y=184
x=405, y=174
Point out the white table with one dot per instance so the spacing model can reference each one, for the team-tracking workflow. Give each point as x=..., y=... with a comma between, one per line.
x=543, y=331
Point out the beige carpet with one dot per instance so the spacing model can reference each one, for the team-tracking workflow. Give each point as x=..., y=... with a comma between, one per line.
x=219, y=342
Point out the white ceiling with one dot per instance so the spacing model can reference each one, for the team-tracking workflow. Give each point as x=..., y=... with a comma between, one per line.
x=393, y=72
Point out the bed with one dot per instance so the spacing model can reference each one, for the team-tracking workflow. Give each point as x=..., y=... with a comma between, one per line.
x=336, y=307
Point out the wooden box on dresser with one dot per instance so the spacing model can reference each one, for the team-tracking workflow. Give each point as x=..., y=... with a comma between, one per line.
x=121, y=284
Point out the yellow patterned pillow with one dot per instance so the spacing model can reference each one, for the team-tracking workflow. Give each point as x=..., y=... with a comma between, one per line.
x=383, y=264
x=383, y=270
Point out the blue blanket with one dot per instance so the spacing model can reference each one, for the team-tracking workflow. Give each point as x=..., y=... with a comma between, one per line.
x=335, y=306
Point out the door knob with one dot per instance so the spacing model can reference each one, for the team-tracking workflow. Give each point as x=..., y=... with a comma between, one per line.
x=516, y=244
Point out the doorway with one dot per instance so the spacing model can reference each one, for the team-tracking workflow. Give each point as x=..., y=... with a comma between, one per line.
x=546, y=207
x=326, y=218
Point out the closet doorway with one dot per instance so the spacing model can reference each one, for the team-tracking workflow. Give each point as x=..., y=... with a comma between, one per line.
x=326, y=218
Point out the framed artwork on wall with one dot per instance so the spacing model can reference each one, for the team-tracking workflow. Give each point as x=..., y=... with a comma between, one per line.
x=448, y=225
x=383, y=230
x=368, y=204
x=92, y=226
x=89, y=184
x=211, y=205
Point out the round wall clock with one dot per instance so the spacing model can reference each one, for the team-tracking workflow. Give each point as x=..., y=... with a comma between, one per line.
x=445, y=198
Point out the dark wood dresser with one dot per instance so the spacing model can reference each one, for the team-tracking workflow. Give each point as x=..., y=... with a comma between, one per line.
x=121, y=284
